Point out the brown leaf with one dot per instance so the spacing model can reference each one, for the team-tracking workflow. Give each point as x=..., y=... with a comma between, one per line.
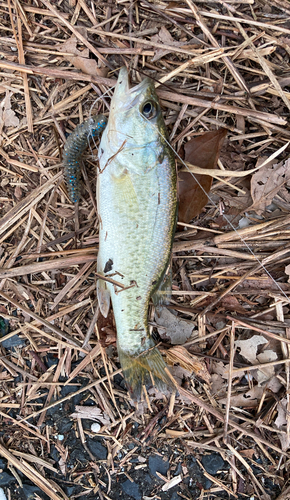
x=231, y=303
x=171, y=327
x=267, y=182
x=248, y=399
x=249, y=347
x=287, y=271
x=267, y=372
x=7, y=116
x=66, y=212
x=179, y=355
x=106, y=330
x=79, y=58
x=18, y=192
x=248, y=453
x=91, y=413
x=164, y=37
x=202, y=151
x=63, y=451
x=281, y=419
x=218, y=385
x=285, y=40
x=241, y=123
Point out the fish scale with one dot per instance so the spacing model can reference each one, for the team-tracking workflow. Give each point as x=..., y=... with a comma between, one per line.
x=130, y=237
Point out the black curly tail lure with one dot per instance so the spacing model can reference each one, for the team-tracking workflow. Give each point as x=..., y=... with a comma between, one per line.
x=74, y=147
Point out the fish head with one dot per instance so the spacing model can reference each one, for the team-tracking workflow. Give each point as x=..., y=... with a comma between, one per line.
x=135, y=127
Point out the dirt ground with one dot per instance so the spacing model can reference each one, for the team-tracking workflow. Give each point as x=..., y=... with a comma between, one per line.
x=68, y=427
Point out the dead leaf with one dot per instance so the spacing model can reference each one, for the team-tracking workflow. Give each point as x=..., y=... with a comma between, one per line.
x=179, y=374
x=248, y=453
x=241, y=201
x=287, y=271
x=218, y=385
x=248, y=399
x=180, y=355
x=79, y=58
x=266, y=373
x=249, y=347
x=18, y=192
x=202, y=151
x=267, y=182
x=281, y=421
x=7, y=116
x=274, y=385
x=63, y=451
x=219, y=378
x=231, y=303
x=66, y=212
x=171, y=327
x=173, y=482
x=285, y=442
x=284, y=193
x=164, y=37
x=285, y=40
x=92, y=413
x=106, y=330
x=221, y=369
x=241, y=123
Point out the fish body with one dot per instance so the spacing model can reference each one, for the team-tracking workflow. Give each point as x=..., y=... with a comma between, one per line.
x=137, y=207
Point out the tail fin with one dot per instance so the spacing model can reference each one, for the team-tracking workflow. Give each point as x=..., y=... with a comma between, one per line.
x=147, y=369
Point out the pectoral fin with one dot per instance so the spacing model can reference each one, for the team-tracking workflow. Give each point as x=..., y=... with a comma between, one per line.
x=125, y=197
x=103, y=295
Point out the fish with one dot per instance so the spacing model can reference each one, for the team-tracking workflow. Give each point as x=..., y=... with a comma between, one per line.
x=137, y=208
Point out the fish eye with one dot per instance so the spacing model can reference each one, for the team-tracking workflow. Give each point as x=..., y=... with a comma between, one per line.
x=149, y=110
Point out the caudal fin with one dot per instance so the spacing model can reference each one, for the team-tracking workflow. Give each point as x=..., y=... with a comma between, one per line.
x=148, y=369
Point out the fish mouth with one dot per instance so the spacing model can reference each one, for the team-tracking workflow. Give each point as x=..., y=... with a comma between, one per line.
x=123, y=93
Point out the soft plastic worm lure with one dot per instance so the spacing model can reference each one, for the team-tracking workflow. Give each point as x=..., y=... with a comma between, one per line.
x=74, y=147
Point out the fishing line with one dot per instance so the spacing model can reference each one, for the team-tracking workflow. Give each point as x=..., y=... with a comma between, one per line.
x=91, y=135
x=217, y=207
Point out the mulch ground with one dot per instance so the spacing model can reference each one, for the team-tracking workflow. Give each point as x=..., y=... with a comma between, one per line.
x=68, y=428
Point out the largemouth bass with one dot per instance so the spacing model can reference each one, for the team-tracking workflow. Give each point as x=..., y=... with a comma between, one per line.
x=137, y=207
